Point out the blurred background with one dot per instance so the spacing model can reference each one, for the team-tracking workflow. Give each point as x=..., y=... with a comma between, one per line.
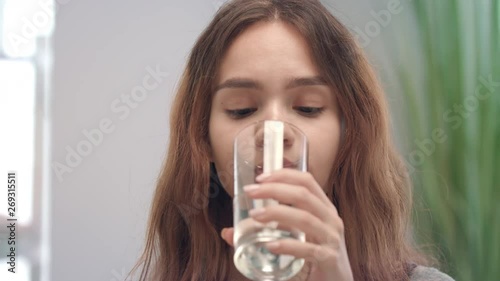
x=86, y=88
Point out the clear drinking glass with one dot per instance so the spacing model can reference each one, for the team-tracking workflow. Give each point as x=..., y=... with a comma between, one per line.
x=264, y=146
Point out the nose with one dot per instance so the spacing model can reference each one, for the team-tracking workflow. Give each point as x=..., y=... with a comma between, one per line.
x=275, y=110
x=289, y=135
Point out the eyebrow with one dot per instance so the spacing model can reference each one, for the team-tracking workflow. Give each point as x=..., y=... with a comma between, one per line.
x=294, y=82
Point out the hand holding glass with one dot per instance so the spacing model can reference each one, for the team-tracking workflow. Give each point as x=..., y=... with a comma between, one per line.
x=263, y=147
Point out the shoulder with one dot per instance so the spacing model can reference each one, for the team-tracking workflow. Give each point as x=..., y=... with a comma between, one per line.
x=422, y=273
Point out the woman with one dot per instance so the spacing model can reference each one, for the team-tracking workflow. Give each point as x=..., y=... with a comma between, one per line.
x=289, y=60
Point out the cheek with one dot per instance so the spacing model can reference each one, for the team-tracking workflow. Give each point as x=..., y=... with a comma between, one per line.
x=225, y=175
x=322, y=153
x=223, y=161
x=221, y=142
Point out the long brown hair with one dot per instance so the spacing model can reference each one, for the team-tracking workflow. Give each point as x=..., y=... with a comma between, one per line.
x=370, y=183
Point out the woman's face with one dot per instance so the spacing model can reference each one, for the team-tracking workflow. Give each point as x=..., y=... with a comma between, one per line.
x=268, y=73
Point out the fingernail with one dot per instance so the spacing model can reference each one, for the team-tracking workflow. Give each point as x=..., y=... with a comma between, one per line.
x=251, y=187
x=273, y=245
x=257, y=212
x=262, y=177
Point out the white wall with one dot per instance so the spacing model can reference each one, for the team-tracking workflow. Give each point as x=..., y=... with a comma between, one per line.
x=101, y=52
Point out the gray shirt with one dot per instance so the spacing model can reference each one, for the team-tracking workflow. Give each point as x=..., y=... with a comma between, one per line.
x=422, y=273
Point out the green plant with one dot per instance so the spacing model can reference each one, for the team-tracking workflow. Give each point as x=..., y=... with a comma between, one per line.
x=454, y=158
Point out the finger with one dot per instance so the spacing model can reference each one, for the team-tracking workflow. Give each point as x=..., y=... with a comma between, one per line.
x=329, y=263
x=318, y=254
x=297, y=196
x=293, y=218
x=227, y=234
x=296, y=177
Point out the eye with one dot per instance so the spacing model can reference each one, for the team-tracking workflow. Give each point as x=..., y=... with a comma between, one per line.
x=240, y=113
x=309, y=111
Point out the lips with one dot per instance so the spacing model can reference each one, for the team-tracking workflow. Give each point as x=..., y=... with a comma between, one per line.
x=286, y=164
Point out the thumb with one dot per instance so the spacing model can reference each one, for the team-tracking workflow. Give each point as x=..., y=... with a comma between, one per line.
x=227, y=235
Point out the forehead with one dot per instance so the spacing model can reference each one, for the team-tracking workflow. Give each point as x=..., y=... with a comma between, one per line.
x=268, y=51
